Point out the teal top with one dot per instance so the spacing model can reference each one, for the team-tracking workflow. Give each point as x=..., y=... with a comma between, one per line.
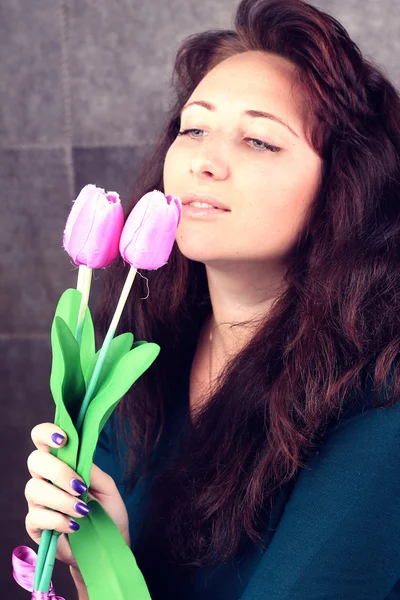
x=333, y=535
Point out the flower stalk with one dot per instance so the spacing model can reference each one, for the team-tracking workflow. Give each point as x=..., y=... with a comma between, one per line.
x=46, y=559
x=83, y=286
x=48, y=565
x=103, y=352
x=48, y=540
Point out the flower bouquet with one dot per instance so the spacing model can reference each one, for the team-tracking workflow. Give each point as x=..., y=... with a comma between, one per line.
x=87, y=385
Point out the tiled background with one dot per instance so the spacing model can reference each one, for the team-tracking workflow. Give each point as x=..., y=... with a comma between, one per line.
x=83, y=89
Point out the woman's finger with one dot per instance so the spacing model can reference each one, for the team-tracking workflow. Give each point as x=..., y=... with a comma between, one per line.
x=39, y=519
x=40, y=493
x=101, y=483
x=50, y=468
x=48, y=435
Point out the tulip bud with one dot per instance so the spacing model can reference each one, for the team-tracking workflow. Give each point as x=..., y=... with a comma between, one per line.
x=149, y=232
x=93, y=228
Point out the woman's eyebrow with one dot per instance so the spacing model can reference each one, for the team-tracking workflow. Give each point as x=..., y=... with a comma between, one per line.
x=250, y=113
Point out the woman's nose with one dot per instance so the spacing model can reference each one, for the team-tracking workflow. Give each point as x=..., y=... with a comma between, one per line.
x=206, y=163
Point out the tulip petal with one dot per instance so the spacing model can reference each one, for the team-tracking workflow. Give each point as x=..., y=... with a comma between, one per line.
x=149, y=232
x=178, y=204
x=77, y=206
x=94, y=228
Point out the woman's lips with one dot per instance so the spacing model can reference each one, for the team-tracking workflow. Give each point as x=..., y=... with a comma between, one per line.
x=204, y=198
x=203, y=213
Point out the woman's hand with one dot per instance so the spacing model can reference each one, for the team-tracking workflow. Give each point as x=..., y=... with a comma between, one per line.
x=62, y=497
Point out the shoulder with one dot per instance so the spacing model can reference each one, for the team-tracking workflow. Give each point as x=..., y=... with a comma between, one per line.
x=359, y=450
x=339, y=534
x=365, y=423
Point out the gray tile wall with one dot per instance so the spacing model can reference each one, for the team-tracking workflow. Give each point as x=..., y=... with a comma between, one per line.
x=83, y=90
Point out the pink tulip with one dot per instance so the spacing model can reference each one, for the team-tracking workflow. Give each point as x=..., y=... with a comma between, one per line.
x=149, y=232
x=91, y=235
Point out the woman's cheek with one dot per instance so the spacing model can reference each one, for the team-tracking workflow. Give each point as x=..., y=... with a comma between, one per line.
x=167, y=174
x=173, y=169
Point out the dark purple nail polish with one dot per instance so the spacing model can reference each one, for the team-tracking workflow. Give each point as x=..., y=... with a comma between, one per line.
x=58, y=438
x=81, y=508
x=78, y=486
x=74, y=525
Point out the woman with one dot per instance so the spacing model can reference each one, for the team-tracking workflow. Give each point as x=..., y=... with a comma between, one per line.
x=262, y=448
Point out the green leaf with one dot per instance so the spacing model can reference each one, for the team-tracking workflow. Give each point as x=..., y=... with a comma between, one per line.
x=68, y=310
x=108, y=567
x=69, y=398
x=68, y=307
x=73, y=388
x=126, y=372
x=57, y=371
x=118, y=347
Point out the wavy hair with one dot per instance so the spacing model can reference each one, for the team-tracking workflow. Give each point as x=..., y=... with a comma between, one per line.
x=337, y=317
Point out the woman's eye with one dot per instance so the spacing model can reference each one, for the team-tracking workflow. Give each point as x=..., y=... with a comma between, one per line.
x=255, y=143
x=193, y=132
x=260, y=145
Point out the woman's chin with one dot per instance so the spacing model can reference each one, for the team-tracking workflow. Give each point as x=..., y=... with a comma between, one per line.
x=193, y=251
x=197, y=255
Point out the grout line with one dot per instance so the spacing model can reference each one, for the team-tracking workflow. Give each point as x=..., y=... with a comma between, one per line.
x=66, y=87
x=24, y=336
x=78, y=146
x=32, y=146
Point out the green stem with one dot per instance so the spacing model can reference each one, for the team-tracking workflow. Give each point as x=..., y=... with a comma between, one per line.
x=48, y=568
x=48, y=540
x=107, y=341
x=41, y=557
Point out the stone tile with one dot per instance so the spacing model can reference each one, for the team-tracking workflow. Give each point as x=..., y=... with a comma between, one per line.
x=25, y=401
x=35, y=270
x=121, y=57
x=31, y=108
x=111, y=168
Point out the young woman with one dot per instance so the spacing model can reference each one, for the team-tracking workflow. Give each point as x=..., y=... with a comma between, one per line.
x=259, y=457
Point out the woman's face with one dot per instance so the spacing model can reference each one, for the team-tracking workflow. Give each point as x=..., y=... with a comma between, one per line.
x=227, y=156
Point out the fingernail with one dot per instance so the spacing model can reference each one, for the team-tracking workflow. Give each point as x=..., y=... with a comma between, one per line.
x=81, y=508
x=78, y=486
x=58, y=438
x=74, y=525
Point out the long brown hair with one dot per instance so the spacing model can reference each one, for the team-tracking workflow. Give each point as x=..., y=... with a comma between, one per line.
x=337, y=316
